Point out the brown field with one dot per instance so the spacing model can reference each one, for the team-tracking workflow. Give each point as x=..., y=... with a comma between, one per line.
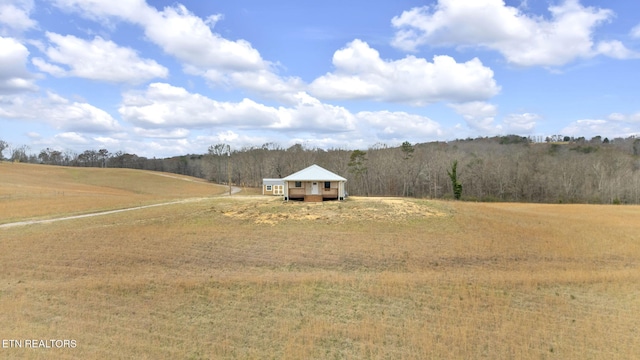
x=251, y=277
x=30, y=191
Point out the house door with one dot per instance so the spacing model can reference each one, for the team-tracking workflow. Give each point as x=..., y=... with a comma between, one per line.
x=314, y=188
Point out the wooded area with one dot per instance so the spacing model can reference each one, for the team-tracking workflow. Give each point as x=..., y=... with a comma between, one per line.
x=507, y=168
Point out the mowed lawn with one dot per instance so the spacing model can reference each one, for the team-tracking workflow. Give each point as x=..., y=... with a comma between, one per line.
x=250, y=277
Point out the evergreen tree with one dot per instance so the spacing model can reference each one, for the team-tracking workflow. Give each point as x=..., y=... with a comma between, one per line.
x=453, y=175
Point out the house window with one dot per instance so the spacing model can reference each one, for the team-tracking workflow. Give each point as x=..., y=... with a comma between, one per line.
x=268, y=187
x=327, y=184
x=298, y=184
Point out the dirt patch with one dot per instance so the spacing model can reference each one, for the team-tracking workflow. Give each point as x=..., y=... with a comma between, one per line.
x=271, y=211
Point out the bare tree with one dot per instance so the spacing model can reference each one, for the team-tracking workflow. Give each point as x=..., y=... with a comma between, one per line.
x=3, y=146
x=217, y=155
x=103, y=155
x=19, y=154
x=407, y=171
x=505, y=168
x=358, y=167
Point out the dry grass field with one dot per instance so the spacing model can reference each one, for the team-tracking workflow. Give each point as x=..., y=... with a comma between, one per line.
x=29, y=191
x=251, y=277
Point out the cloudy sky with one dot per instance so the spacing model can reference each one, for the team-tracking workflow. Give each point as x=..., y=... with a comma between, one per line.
x=163, y=78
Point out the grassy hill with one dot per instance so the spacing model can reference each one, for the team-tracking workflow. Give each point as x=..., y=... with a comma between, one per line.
x=251, y=277
x=29, y=191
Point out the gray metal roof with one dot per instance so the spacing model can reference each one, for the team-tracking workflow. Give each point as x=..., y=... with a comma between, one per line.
x=314, y=173
x=272, y=181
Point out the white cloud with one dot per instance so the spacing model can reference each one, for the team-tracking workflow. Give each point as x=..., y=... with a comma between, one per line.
x=177, y=31
x=520, y=123
x=268, y=84
x=179, y=133
x=59, y=113
x=107, y=140
x=15, y=16
x=191, y=40
x=72, y=138
x=233, y=138
x=78, y=116
x=166, y=106
x=310, y=114
x=587, y=128
x=164, y=112
x=624, y=118
x=389, y=125
x=635, y=32
x=46, y=67
x=221, y=61
x=170, y=146
x=616, y=50
x=97, y=59
x=478, y=115
x=102, y=10
x=361, y=74
x=14, y=77
x=615, y=125
x=74, y=142
x=523, y=39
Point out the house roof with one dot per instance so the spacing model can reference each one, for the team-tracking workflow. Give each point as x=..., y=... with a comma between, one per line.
x=314, y=173
x=272, y=181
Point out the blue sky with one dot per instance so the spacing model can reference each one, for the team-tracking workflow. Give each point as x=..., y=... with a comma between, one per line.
x=164, y=78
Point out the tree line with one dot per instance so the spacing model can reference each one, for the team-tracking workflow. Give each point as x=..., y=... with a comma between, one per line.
x=505, y=168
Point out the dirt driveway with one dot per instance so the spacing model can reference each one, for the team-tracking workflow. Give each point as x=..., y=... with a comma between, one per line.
x=234, y=190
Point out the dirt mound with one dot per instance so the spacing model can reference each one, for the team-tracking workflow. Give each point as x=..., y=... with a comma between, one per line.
x=262, y=210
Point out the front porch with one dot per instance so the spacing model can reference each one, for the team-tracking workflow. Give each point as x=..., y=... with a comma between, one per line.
x=322, y=194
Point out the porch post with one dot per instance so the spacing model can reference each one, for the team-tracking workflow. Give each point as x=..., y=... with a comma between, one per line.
x=286, y=191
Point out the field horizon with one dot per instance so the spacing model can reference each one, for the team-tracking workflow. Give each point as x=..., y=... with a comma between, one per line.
x=254, y=277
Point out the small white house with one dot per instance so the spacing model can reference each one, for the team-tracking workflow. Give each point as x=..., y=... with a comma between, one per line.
x=273, y=187
x=314, y=184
